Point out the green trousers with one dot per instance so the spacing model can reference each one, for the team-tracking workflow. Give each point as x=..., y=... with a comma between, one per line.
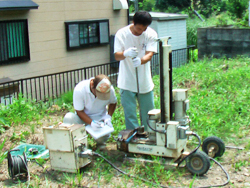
x=128, y=100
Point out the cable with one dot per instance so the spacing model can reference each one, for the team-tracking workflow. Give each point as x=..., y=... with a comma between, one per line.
x=163, y=132
x=228, y=177
x=44, y=169
x=17, y=165
x=194, y=134
x=129, y=175
x=132, y=176
x=27, y=171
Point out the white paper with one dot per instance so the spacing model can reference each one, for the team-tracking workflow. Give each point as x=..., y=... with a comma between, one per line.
x=99, y=132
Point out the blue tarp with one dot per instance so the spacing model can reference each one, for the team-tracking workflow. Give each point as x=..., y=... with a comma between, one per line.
x=42, y=153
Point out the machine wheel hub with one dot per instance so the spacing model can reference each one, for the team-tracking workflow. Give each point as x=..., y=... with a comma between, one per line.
x=197, y=163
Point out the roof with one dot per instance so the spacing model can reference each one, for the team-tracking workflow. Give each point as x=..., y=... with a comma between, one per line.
x=17, y=5
x=161, y=16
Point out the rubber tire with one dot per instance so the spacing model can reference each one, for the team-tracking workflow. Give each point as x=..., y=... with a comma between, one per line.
x=202, y=157
x=216, y=141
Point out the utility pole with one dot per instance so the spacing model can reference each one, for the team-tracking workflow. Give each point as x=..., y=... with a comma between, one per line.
x=136, y=5
x=249, y=14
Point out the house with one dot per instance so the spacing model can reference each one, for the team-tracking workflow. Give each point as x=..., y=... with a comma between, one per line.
x=42, y=37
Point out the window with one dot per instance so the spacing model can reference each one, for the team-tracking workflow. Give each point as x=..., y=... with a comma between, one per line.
x=14, y=42
x=80, y=34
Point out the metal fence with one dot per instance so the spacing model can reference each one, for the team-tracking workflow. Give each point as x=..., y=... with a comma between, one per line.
x=52, y=86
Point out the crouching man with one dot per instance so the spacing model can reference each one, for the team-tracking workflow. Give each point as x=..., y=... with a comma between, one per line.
x=90, y=100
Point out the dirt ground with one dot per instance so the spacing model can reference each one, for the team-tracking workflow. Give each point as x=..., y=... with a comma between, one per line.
x=236, y=162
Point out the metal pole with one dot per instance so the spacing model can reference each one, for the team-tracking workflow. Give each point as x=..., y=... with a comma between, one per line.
x=138, y=93
x=163, y=119
x=170, y=87
x=128, y=12
x=136, y=5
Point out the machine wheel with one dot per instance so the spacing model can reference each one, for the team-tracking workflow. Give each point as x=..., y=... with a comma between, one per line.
x=198, y=163
x=216, y=143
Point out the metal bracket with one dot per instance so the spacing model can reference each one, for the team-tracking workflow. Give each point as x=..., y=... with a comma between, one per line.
x=163, y=39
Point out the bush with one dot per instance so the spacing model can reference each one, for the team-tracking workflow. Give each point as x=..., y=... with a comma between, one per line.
x=237, y=7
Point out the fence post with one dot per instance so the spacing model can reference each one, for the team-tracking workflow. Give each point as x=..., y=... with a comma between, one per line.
x=21, y=87
x=85, y=76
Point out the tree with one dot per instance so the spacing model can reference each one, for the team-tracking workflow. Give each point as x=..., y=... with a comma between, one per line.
x=180, y=4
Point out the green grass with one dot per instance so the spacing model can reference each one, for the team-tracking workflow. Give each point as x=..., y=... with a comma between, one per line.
x=2, y=154
x=219, y=94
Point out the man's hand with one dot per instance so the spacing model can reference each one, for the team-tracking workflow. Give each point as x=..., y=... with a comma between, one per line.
x=107, y=120
x=137, y=62
x=96, y=124
x=131, y=52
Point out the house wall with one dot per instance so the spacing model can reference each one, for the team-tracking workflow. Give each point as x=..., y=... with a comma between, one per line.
x=47, y=36
x=176, y=29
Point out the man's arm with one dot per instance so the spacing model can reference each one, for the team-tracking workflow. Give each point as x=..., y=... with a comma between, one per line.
x=111, y=109
x=147, y=57
x=119, y=56
x=83, y=116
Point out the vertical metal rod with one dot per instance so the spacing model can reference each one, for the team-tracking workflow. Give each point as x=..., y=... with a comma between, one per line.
x=68, y=81
x=52, y=88
x=136, y=5
x=27, y=90
x=85, y=77
x=138, y=93
x=170, y=87
x=64, y=83
x=44, y=94
x=71, y=77
x=36, y=89
x=40, y=88
x=48, y=87
x=60, y=83
x=31, y=95
x=128, y=12
x=56, y=86
x=163, y=119
x=74, y=81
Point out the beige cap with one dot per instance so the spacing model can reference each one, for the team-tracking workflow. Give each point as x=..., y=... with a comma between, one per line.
x=103, y=89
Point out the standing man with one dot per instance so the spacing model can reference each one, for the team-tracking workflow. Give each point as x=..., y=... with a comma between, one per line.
x=134, y=47
x=90, y=99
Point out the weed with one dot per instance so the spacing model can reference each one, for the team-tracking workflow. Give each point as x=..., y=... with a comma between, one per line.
x=192, y=182
x=2, y=155
x=238, y=165
x=32, y=128
x=79, y=176
x=70, y=178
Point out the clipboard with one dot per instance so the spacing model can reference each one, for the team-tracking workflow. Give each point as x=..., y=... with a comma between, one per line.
x=99, y=132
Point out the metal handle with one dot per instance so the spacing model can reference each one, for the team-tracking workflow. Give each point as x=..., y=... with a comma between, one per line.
x=81, y=138
x=129, y=139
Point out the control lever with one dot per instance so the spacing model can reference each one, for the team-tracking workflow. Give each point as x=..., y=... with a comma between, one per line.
x=130, y=138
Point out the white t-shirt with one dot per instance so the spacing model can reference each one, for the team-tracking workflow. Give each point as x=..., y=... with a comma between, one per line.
x=84, y=99
x=124, y=39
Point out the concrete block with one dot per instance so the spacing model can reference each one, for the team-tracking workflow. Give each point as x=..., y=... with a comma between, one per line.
x=201, y=33
x=214, y=34
x=227, y=35
x=238, y=35
x=247, y=35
